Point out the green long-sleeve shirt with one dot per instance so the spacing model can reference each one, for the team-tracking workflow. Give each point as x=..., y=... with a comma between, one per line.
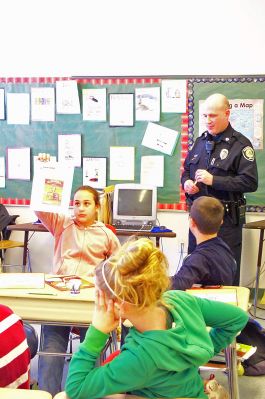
x=158, y=363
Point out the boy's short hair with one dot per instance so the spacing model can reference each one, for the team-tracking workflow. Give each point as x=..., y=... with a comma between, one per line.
x=207, y=213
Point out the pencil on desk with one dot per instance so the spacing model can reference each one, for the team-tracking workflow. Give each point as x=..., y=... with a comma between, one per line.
x=41, y=293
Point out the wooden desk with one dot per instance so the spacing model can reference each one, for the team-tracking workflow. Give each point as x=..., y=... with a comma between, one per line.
x=52, y=306
x=39, y=228
x=10, y=393
x=126, y=233
x=230, y=351
x=259, y=225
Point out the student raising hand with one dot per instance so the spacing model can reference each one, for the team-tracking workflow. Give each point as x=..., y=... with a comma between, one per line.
x=105, y=317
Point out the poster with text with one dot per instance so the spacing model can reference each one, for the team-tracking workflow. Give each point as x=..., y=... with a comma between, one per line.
x=246, y=116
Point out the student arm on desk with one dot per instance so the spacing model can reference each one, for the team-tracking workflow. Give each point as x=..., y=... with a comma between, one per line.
x=225, y=321
x=189, y=274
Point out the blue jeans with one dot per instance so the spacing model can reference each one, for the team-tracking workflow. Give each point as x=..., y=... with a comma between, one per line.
x=50, y=368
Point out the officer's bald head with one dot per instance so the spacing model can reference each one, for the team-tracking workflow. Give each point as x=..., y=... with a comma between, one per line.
x=216, y=113
x=217, y=101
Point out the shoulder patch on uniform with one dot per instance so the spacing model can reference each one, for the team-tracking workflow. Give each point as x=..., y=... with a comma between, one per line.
x=248, y=153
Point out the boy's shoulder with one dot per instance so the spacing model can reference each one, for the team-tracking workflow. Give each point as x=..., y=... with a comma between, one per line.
x=207, y=249
x=215, y=242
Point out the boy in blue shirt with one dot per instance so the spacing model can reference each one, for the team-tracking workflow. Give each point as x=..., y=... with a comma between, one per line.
x=212, y=261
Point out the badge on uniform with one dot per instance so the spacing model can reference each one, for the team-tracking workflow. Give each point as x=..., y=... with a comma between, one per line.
x=223, y=153
x=248, y=153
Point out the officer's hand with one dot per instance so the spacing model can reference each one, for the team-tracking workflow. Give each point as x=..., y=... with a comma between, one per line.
x=43, y=157
x=190, y=187
x=202, y=176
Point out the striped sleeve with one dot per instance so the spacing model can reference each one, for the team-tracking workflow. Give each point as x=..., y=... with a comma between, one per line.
x=14, y=351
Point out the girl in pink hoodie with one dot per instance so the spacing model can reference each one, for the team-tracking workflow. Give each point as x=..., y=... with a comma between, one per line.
x=80, y=243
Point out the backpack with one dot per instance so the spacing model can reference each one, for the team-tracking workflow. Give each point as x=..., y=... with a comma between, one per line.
x=254, y=334
x=5, y=220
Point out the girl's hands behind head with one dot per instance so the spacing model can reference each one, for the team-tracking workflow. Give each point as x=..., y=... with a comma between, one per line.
x=105, y=319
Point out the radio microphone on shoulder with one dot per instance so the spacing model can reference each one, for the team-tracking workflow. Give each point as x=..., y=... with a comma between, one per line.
x=209, y=146
x=210, y=143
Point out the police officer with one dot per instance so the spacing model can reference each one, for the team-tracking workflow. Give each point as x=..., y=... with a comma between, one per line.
x=221, y=164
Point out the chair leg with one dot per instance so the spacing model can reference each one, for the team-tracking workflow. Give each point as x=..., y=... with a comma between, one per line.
x=24, y=268
x=28, y=262
x=231, y=362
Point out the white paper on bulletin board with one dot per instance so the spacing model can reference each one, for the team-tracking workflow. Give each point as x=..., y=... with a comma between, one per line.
x=160, y=138
x=122, y=163
x=174, y=95
x=51, y=187
x=152, y=170
x=2, y=172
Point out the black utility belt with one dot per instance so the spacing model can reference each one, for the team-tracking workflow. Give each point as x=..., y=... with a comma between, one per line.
x=236, y=210
x=239, y=202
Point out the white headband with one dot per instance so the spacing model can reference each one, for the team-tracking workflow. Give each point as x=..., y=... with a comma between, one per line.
x=106, y=282
x=109, y=287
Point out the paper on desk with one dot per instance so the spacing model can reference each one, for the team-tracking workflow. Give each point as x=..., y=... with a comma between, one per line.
x=22, y=280
x=228, y=295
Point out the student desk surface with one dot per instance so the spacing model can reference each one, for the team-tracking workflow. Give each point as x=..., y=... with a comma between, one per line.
x=242, y=298
x=12, y=393
x=63, y=308
x=49, y=305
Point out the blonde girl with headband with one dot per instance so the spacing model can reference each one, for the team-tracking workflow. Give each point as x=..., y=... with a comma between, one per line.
x=168, y=339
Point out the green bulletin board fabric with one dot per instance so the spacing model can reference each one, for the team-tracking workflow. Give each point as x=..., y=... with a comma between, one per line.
x=232, y=88
x=96, y=138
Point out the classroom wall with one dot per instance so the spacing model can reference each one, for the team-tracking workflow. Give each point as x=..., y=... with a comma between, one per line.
x=41, y=244
x=128, y=38
x=125, y=37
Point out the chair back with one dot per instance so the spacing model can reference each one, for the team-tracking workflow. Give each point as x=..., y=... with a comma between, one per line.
x=32, y=339
x=5, y=220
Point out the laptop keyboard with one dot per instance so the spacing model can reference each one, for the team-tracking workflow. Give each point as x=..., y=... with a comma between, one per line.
x=133, y=227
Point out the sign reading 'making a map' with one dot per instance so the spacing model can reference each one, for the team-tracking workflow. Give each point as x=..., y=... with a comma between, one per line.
x=246, y=116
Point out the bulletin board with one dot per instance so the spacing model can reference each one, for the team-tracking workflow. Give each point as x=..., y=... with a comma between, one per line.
x=96, y=137
x=245, y=87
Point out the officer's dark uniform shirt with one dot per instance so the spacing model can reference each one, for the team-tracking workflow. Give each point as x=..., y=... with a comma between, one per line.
x=211, y=263
x=232, y=164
